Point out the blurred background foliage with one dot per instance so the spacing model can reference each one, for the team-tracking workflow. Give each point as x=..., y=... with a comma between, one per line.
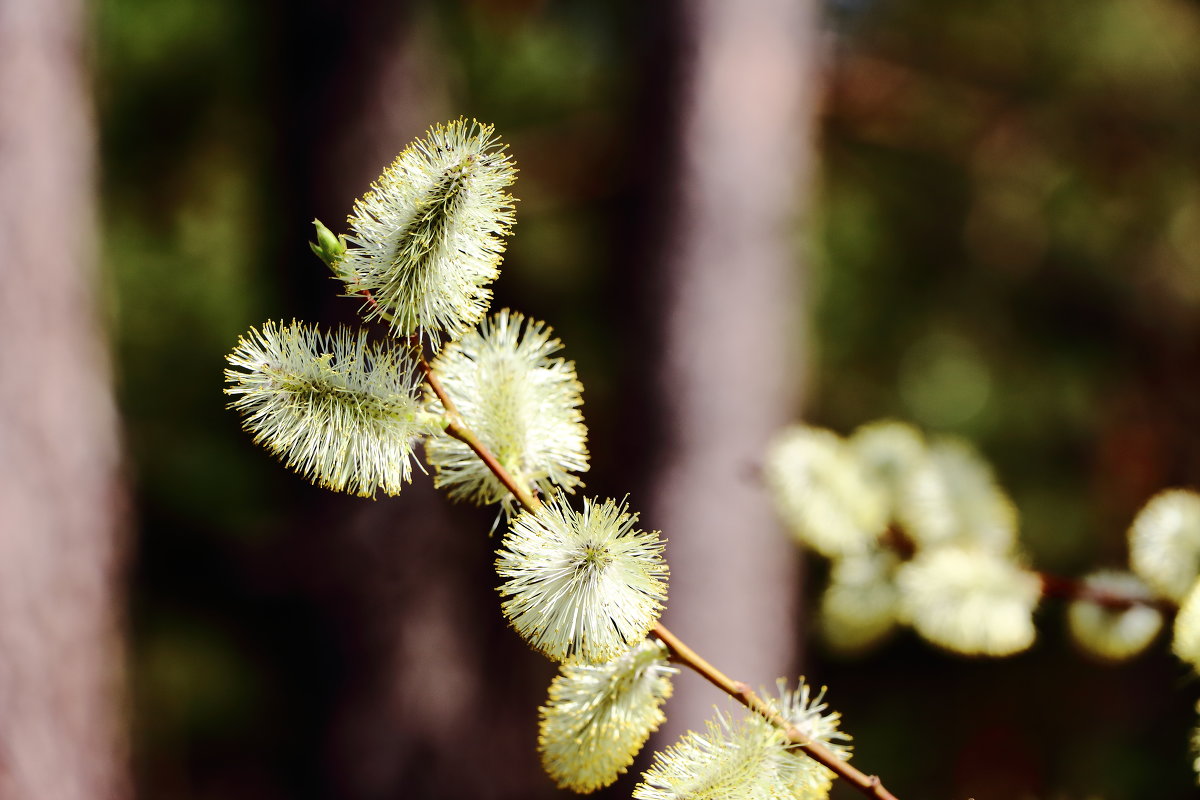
x=1005, y=245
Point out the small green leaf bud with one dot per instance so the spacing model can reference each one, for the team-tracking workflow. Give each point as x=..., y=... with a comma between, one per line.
x=328, y=247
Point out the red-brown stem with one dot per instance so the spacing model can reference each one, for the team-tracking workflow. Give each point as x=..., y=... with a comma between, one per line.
x=870, y=785
x=467, y=437
x=899, y=542
x=431, y=378
x=1072, y=589
x=371, y=301
x=457, y=427
x=1052, y=585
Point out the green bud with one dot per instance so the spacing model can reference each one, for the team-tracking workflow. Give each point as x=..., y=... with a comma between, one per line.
x=328, y=248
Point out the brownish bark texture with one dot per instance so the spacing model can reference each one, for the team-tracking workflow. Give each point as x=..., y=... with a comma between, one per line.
x=60, y=502
x=731, y=366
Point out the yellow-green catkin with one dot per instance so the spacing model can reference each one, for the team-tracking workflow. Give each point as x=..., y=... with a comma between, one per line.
x=807, y=712
x=520, y=401
x=1186, y=640
x=743, y=760
x=1114, y=634
x=597, y=717
x=335, y=408
x=822, y=493
x=971, y=601
x=860, y=605
x=951, y=498
x=427, y=239
x=581, y=586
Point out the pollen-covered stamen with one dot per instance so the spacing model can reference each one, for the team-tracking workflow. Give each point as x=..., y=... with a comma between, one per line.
x=730, y=761
x=808, y=714
x=595, y=557
x=415, y=244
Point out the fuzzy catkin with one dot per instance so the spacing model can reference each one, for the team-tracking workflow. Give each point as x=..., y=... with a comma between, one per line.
x=427, y=239
x=340, y=411
x=597, y=717
x=742, y=760
x=970, y=601
x=521, y=402
x=822, y=493
x=1114, y=634
x=581, y=586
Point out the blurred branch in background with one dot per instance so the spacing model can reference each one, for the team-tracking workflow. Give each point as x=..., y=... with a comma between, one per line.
x=1007, y=205
x=62, y=503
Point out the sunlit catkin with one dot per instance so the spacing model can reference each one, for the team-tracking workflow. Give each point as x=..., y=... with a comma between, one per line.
x=951, y=498
x=597, y=717
x=821, y=492
x=1185, y=642
x=859, y=607
x=810, y=716
x=338, y=410
x=522, y=403
x=581, y=585
x=969, y=601
x=888, y=451
x=1114, y=634
x=428, y=238
x=743, y=760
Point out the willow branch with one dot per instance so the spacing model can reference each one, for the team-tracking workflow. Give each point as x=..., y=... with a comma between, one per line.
x=366, y=293
x=1052, y=585
x=1072, y=589
x=458, y=428
x=870, y=785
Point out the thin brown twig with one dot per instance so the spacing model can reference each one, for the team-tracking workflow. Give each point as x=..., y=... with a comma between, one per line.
x=870, y=785
x=458, y=428
x=1073, y=589
x=370, y=298
x=1052, y=585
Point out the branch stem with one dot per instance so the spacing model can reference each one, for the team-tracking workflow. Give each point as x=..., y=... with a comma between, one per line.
x=870, y=785
x=1052, y=585
x=1072, y=589
x=459, y=429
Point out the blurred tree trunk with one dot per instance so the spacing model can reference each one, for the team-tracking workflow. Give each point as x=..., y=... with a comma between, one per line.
x=60, y=498
x=730, y=371
x=429, y=660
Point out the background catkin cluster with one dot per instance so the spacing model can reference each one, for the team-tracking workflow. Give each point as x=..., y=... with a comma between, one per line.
x=919, y=534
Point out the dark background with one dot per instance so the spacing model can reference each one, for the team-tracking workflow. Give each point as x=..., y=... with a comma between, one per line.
x=1005, y=244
